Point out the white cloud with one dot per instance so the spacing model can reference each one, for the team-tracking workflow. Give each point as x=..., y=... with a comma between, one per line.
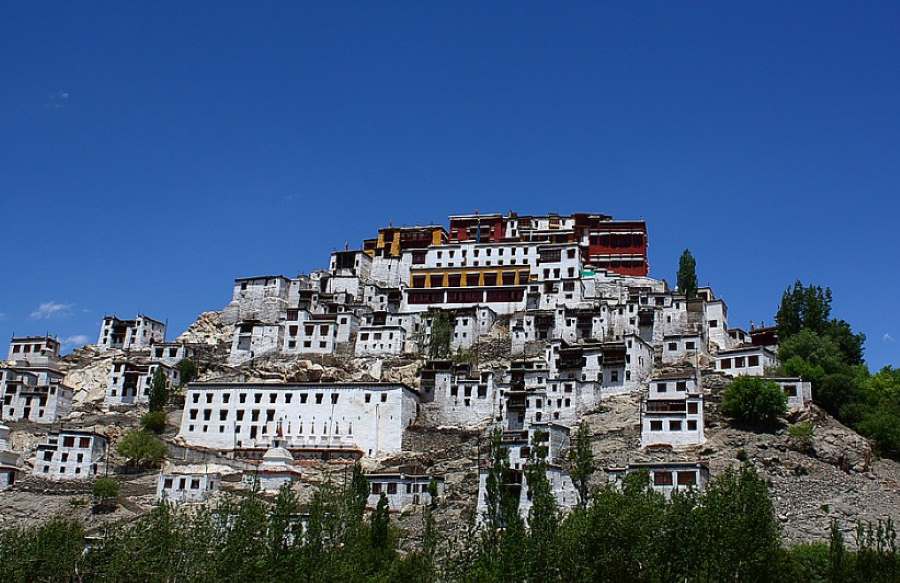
x=58, y=99
x=2, y=316
x=75, y=341
x=50, y=309
x=887, y=338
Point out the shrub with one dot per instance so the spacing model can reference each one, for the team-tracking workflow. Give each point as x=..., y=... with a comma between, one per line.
x=754, y=400
x=187, y=371
x=106, y=490
x=154, y=421
x=802, y=433
x=141, y=448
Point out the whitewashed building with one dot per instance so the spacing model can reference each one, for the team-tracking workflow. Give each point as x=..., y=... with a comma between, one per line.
x=70, y=455
x=798, y=391
x=746, y=360
x=171, y=353
x=9, y=460
x=129, y=382
x=371, y=417
x=189, y=483
x=253, y=339
x=665, y=477
x=34, y=394
x=262, y=298
x=34, y=350
x=130, y=334
x=380, y=341
x=402, y=490
x=672, y=422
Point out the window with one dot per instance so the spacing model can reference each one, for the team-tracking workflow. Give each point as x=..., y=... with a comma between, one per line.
x=690, y=346
x=738, y=362
x=195, y=484
x=687, y=478
x=662, y=478
x=692, y=408
x=753, y=360
x=392, y=488
x=384, y=397
x=790, y=390
x=681, y=386
x=725, y=363
x=376, y=488
x=673, y=346
x=368, y=397
x=661, y=387
x=656, y=426
x=84, y=442
x=675, y=425
x=692, y=425
x=713, y=323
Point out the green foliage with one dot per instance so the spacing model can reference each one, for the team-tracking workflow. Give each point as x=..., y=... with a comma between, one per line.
x=154, y=421
x=48, y=552
x=581, y=462
x=803, y=307
x=141, y=448
x=433, y=492
x=187, y=371
x=802, y=432
x=441, y=334
x=754, y=400
x=159, y=391
x=687, y=274
x=105, y=488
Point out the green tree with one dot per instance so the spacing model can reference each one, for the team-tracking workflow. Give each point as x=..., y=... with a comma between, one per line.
x=159, y=390
x=187, y=371
x=359, y=490
x=154, y=421
x=543, y=516
x=581, y=462
x=441, y=334
x=141, y=448
x=105, y=489
x=754, y=400
x=687, y=274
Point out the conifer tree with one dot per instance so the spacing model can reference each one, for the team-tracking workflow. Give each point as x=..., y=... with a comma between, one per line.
x=581, y=462
x=687, y=274
x=159, y=391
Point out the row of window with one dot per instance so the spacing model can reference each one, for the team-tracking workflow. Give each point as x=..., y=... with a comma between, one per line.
x=674, y=425
x=482, y=279
x=739, y=361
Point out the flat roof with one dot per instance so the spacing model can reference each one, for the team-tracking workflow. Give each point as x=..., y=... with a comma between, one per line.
x=750, y=348
x=262, y=277
x=298, y=385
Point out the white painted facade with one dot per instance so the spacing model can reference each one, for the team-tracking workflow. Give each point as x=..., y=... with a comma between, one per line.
x=380, y=341
x=798, y=391
x=748, y=360
x=129, y=382
x=665, y=478
x=369, y=416
x=34, y=394
x=263, y=298
x=187, y=484
x=402, y=490
x=70, y=455
x=672, y=422
x=34, y=350
x=254, y=339
x=130, y=334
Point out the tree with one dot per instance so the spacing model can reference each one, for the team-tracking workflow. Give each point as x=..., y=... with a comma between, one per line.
x=543, y=516
x=803, y=307
x=687, y=274
x=754, y=400
x=159, y=390
x=581, y=462
x=105, y=492
x=359, y=491
x=187, y=370
x=141, y=448
x=441, y=335
x=154, y=421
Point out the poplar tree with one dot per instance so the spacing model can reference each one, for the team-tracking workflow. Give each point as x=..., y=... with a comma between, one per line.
x=687, y=274
x=581, y=462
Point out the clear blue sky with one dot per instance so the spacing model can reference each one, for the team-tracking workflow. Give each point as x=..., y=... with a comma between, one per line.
x=152, y=153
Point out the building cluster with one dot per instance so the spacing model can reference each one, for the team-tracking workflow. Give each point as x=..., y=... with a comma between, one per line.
x=143, y=352
x=569, y=297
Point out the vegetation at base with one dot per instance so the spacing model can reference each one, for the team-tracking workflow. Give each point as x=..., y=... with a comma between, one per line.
x=141, y=448
x=159, y=390
x=728, y=533
x=687, y=274
x=581, y=462
x=154, y=421
x=754, y=400
x=106, y=493
x=826, y=352
x=802, y=433
x=187, y=371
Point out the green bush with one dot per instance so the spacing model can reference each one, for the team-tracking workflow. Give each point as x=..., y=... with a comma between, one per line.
x=754, y=400
x=187, y=371
x=106, y=488
x=154, y=421
x=802, y=432
x=141, y=448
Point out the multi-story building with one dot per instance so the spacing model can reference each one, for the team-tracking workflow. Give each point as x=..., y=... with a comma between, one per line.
x=403, y=489
x=665, y=477
x=369, y=417
x=35, y=394
x=9, y=460
x=70, y=454
x=34, y=350
x=130, y=381
x=746, y=360
x=130, y=334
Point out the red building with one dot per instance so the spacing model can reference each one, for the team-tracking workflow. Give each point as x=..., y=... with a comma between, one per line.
x=618, y=246
x=480, y=228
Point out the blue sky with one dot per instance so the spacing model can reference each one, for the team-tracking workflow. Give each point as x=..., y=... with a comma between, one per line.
x=152, y=152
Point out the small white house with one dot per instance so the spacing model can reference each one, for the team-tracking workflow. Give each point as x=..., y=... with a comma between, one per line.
x=70, y=455
x=672, y=422
x=189, y=483
x=402, y=490
x=798, y=391
x=9, y=460
x=674, y=385
x=380, y=340
x=665, y=477
x=747, y=360
x=130, y=334
x=682, y=347
x=34, y=350
x=34, y=394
